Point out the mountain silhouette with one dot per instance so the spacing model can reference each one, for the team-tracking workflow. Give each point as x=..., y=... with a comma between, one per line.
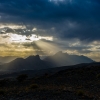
x=64, y=59
x=35, y=63
x=30, y=63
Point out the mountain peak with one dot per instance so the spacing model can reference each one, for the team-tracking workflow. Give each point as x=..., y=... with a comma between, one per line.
x=60, y=53
x=37, y=57
x=30, y=57
x=64, y=59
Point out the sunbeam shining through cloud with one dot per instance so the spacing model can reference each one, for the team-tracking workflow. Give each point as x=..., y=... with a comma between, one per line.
x=72, y=26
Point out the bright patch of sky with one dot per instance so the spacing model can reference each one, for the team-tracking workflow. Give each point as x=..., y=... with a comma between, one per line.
x=10, y=38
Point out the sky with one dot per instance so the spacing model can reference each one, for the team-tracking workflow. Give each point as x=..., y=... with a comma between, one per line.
x=30, y=27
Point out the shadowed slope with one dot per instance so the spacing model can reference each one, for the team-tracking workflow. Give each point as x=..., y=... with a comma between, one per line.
x=30, y=63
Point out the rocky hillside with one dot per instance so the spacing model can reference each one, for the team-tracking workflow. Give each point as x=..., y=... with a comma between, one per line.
x=80, y=83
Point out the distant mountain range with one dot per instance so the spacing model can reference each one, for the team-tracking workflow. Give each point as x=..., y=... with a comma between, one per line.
x=64, y=59
x=30, y=63
x=35, y=63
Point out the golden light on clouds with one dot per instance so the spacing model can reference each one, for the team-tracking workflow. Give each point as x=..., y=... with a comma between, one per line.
x=10, y=37
x=17, y=38
x=12, y=44
x=21, y=41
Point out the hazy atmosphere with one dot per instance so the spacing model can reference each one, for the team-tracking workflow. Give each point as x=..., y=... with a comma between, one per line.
x=50, y=49
x=44, y=27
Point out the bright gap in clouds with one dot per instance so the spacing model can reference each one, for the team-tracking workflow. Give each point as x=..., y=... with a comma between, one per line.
x=10, y=38
x=23, y=45
x=31, y=38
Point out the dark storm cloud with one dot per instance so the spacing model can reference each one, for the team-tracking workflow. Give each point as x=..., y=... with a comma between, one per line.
x=82, y=50
x=70, y=18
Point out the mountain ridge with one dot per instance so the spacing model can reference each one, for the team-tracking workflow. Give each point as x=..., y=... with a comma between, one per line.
x=64, y=59
x=35, y=63
x=30, y=63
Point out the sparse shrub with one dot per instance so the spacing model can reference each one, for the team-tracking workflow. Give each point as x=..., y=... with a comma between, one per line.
x=46, y=74
x=2, y=92
x=92, y=72
x=80, y=92
x=27, y=89
x=56, y=93
x=22, y=77
x=98, y=76
x=33, y=86
x=3, y=82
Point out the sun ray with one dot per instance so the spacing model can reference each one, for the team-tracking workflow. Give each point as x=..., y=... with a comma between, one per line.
x=50, y=48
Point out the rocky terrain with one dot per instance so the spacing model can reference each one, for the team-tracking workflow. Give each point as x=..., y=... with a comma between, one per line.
x=82, y=83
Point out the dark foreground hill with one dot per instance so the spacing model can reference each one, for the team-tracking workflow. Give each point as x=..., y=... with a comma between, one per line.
x=80, y=82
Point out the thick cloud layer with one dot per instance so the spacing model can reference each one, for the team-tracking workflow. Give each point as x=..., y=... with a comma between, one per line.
x=68, y=18
x=42, y=26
